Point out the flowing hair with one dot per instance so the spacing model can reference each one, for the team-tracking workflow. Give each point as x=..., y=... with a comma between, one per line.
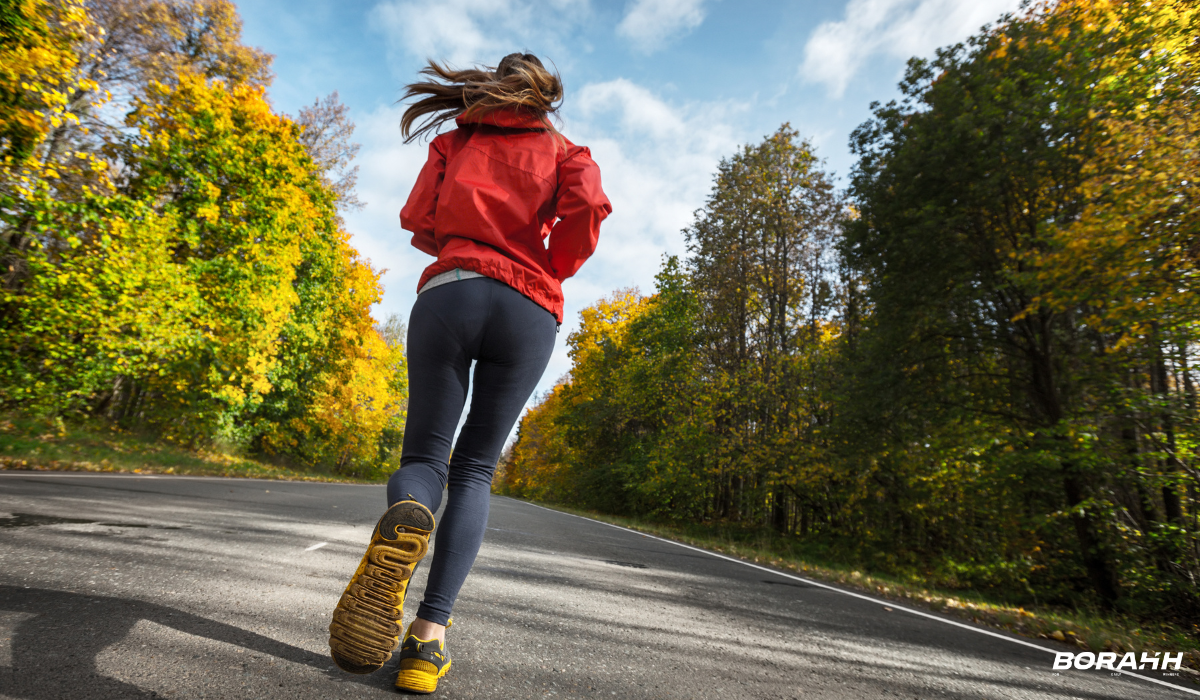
x=520, y=82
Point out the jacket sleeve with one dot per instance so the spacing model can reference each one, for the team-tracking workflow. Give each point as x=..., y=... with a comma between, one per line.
x=581, y=207
x=418, y=213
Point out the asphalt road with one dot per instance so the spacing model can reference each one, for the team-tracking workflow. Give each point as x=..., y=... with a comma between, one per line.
x=146, y=587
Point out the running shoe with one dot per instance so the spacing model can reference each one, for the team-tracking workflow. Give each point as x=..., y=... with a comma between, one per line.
x=366, y=623
x=422, y=663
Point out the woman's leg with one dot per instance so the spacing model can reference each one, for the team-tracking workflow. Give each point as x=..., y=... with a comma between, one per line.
x=443, y=332
x=514, y=348
x=365, y=626
x=452, y=325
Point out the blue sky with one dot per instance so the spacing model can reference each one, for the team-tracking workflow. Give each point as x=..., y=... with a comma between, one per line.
x=660, y=90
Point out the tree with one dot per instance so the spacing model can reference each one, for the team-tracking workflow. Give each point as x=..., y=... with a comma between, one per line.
x=761, y=254
x=988, y=382
x=39, y=72
x=140, y=44
x=325, y=131
x=626, y=431
x=174, y=258
x=963, y=188
x=540, y=462
x=1128, y=265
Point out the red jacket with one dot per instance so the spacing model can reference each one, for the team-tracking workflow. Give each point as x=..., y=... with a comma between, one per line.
x=493, y=190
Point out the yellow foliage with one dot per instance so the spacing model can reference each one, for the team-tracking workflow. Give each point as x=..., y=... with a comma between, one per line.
x=540, y=458
x=1129, y=258
x=37, y=73
x=604, y=322
x=360, y=396
x=249, y=262
x=214, y=276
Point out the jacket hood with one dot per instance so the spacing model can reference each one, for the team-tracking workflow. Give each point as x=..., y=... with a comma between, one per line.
x=509, y=118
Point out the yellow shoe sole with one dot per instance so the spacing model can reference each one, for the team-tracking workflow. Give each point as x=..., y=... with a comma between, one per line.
x=366, y=622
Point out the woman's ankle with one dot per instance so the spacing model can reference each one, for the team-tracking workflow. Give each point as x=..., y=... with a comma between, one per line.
x=426, y=630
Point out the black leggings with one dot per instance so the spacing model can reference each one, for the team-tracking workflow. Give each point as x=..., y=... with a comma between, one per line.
x=510, y=338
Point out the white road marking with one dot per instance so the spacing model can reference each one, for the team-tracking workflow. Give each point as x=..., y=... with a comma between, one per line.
x=315, y=546
x=8, y=626
x=835, y=589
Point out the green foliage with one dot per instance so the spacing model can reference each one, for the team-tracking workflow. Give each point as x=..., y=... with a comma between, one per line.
x=967, y=193
x=980, y=375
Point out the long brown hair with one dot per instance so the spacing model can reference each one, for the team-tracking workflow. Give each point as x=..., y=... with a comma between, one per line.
x=520, y=82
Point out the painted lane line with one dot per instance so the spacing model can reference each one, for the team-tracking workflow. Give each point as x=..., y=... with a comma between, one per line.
x=869, y=599
x=316, y=546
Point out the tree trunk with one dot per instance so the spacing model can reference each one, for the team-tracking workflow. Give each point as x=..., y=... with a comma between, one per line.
x=1172, y=503
x=779, y=511
x=1095, y=556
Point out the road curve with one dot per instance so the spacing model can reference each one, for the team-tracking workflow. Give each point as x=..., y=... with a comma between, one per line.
x=126, y=586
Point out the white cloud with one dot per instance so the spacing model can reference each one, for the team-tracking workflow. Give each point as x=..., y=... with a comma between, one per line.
x=836, y=51
x=657, y=160
x=650, y=24
x=387, y=170
x=475, y=31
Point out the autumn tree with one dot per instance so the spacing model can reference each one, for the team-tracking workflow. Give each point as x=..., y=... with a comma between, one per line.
x=39, y=74
x=966, y=189
x=539, y=463
x=628, y=430
x=176, y=263
x=326, y=131
x=1127, y=265
x=761, y=254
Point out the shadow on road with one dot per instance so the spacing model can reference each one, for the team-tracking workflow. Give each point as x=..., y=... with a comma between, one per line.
x=57, y=647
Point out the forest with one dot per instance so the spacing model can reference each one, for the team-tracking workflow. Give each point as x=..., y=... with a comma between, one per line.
x=975, y=364
x=174, y=256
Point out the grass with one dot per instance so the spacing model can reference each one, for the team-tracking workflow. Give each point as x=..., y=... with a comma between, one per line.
x=41, y=445
x=1083, y=630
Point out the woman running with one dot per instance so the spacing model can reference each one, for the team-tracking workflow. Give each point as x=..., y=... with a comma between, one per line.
x=510, y=208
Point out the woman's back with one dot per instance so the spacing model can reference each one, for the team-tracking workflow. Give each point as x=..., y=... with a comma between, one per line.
x=490, y=194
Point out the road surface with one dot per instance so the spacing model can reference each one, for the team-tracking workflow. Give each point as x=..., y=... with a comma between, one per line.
x=126, y=586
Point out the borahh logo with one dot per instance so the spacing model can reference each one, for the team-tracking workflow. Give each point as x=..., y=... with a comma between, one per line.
x=1107, y=660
